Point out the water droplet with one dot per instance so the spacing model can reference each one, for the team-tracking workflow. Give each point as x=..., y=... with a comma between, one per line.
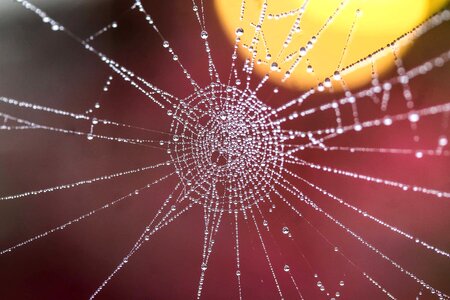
x=337, y=75
x=239, y=31
x=204, y=35
x=387, y=121
x=285, y=230
x=274, y=66
x=286, y=268
x=443, y=141
x=302, y=51
x=413, y=117
x=320, y=87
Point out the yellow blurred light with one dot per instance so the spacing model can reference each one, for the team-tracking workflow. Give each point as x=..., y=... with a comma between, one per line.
x=357, y=29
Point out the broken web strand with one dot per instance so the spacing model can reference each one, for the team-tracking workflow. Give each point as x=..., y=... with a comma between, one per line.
x=111, y=26
x=94, y=110
x=105, y=89
x=101, y=31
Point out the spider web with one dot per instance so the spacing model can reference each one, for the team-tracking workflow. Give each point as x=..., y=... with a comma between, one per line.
x=290, y=196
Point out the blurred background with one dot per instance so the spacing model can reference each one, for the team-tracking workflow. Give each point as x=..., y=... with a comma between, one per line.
x=48, y=68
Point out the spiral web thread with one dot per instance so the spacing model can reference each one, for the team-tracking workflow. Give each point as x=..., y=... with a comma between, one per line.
x=234, y=155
